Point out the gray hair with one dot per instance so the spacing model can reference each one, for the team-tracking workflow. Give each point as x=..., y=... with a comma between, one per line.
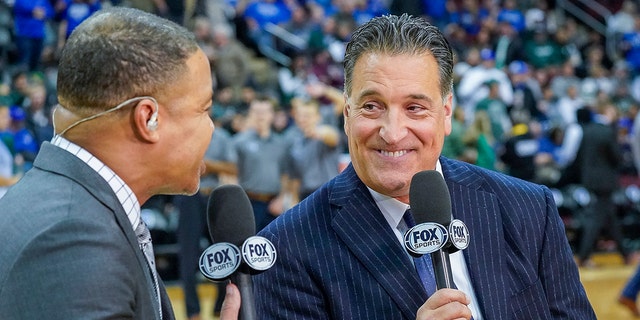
x=394, y=35
x=119, y=53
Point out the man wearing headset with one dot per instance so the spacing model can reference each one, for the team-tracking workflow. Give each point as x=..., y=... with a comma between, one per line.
x=133, y=121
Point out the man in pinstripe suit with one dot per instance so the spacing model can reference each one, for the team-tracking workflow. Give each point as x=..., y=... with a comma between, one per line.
x=339, y=251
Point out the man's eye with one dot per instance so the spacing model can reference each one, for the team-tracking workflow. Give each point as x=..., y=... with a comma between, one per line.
x=368, y=106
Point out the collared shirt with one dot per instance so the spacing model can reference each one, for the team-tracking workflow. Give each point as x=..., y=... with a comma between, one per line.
x=125, y=195
x=393, y=211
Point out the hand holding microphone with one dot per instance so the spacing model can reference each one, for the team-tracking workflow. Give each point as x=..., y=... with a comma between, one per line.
x=236, y=253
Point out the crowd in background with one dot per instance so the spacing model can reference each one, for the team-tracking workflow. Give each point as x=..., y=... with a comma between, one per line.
x=523, y=71
x=529, y=78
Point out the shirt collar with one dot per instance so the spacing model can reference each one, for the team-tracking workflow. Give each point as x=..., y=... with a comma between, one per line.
x=125, y=195
x=392, y=209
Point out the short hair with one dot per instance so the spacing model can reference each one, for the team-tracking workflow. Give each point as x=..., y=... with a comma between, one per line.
x=119, y=53
x=395, y=35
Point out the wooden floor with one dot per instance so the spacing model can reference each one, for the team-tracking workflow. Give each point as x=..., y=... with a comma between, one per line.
x=603, y=284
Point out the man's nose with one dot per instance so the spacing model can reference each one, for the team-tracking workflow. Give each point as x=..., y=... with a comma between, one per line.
x=393, y=127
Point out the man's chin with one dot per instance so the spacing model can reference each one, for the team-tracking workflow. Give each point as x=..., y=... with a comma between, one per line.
x=190, y=191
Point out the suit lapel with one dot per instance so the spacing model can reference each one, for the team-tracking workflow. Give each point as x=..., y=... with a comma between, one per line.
x=362, y=227
x=61, y=162
x=480, y=211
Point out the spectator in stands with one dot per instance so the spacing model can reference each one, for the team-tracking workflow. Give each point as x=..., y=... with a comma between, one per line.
x=565, y=78
x=19, y=89
x=30, y=22
x=453, y=147
x=314, y=148
x=258, y=15
x=510, y=13
x=542, y=51
x=508, y=46
x=519, y=152
x=294, y=79
x=25, y=144
x=231, y=61
x=525, y=102
x=630, y=47
x=470, y=16
x=299, y=29
x=569, y=103
x=546, y=160
x=262, y=162
x=74, y=12
x=472, y=89
x=540, y=15
x=496, y=109
x=438, y=12
x=38, y=114
x=479, y=142
x=7, y=174
x=622, y=21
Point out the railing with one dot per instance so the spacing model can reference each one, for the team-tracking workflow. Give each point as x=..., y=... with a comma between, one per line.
x=589, y=20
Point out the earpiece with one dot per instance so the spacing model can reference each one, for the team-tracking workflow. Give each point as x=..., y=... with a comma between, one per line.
x=152, y=124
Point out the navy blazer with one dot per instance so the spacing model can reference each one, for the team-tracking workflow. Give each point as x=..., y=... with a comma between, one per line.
x=339, y=259
x=68, y=248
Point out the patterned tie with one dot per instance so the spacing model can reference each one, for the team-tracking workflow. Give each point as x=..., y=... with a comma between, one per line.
x=423, y=264
x=144, y=241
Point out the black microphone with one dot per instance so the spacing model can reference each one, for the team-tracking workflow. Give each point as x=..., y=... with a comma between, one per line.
x=430, y=203
x=231, y=221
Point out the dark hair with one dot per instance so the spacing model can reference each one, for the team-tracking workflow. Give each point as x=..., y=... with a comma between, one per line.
x=396, y=35
x=119, y=53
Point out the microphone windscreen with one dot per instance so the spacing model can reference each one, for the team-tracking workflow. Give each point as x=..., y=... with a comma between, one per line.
x=429, y=198
x=230, y=215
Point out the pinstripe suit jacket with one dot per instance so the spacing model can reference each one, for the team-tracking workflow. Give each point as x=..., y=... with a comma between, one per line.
x=68, y=250
x=339, y=259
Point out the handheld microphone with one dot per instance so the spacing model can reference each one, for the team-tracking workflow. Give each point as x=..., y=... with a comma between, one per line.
x=232, y=226
x=434, y=232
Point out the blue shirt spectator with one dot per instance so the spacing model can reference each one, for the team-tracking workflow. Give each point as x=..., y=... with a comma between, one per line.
x=30, y=18
x=470, y=17
x=631, y=47
x=77, y=11
x=510, y=13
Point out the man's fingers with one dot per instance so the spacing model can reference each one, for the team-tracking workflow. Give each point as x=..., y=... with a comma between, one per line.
x=231, y=305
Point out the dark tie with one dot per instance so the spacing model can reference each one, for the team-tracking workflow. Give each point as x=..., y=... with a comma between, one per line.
x=423, y=264
x=144, y=241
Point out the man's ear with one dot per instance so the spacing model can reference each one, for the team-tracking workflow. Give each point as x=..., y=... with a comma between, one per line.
x=448, y=114
x=346, y=110
x=145, y=120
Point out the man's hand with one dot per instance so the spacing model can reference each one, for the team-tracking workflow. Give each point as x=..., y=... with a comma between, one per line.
x=231, y=304
x=445, y=304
